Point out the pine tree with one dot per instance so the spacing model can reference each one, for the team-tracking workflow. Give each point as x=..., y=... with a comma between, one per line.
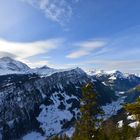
x=134, y=108
x=87, y=127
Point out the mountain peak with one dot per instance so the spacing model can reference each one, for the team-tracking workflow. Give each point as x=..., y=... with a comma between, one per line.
x=11, y=66
x=77, y=70
x=113, y=72
x=6, y=59
x=45, y=67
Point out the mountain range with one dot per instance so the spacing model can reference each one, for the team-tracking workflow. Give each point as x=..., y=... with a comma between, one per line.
x=46, y=101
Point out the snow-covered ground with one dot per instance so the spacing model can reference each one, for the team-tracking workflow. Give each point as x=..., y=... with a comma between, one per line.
x=70, y=132
x=112, y=108
x=33, y=136
x=104, y=83
x=52, y=118
x=134, y=124
x=121, y=92
x=131, y=117
x=120, y=124
x=112, y=78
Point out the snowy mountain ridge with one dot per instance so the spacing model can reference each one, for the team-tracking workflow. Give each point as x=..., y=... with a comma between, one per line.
x=47, y=100
x=112, y=73
x=12, y=66
x=101, y=72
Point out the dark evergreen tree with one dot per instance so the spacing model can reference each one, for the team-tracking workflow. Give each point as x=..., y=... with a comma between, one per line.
x=87, y=128
x=134, y=108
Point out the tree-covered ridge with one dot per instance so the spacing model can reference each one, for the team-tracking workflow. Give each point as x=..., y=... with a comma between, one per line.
x=91, y=127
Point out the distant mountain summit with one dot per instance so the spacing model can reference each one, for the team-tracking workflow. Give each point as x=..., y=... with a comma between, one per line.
x=11, y=66
x=44, y=70
x=115, y=79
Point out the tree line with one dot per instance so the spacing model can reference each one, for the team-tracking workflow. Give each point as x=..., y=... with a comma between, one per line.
x=92, y=127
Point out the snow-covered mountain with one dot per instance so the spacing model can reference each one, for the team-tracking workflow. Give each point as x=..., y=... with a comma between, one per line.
x=45, y=70
x=113, y=73
x=47, y=104
x=116, y=80
x=47, y=100
x=11, y=66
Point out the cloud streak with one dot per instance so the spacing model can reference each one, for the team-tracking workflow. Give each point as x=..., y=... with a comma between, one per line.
x=86, y=48
x=57, y=10
x=25, y=50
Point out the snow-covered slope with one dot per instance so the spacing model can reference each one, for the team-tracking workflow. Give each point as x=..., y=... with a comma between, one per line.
x=45, y=70
x=117, y=80
x=112, y=73
x=33, y=136
x=47, y=104
x=11, y=66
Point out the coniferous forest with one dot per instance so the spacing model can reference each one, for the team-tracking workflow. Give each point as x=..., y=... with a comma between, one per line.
x=91, y=127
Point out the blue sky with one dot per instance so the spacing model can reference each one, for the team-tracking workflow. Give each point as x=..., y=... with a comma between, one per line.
x=100, y=34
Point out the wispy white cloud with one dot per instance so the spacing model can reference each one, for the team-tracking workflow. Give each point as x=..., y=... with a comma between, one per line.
x=25, y=50
x=56, y=10
x=78, y=54
x=85, y=48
